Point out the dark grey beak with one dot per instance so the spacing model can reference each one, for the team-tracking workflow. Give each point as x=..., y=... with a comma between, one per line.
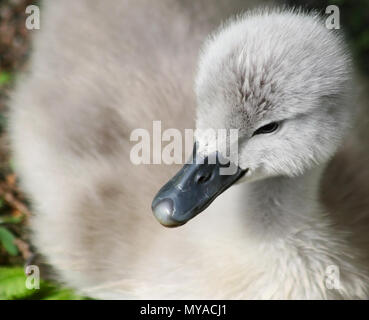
x=193, y=189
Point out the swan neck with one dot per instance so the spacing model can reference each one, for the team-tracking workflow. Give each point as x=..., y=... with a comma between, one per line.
x=280, y=206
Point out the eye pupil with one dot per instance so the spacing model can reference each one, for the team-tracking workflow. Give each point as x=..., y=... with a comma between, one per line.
x=267, y=128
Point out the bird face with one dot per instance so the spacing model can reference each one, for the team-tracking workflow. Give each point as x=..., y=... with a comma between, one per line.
x=278, y=142
x=281, y=80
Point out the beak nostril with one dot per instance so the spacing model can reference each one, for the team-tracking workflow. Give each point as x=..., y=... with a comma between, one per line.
x=200, y=179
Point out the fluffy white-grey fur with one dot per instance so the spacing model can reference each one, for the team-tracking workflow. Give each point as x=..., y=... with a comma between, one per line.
x=105, y=68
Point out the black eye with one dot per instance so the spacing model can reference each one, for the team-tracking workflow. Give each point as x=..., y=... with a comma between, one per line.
x=270, y=127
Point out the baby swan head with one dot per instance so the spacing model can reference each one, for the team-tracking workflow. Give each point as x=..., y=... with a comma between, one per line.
x=281, y=81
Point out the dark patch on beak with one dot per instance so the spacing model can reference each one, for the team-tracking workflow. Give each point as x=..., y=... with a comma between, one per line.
x=192, y=190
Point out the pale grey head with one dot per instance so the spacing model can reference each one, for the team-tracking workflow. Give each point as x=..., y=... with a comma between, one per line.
x=284, y=81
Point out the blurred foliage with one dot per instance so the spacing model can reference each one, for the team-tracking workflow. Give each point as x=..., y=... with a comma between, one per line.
x=5, y=78
x=354, y=20
x=7, y=240
x=15, y=248
x=13, y=286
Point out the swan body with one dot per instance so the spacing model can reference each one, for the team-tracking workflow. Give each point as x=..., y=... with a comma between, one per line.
x=268, y=237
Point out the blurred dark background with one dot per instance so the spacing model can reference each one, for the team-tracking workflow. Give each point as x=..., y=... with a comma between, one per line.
x=354, y=20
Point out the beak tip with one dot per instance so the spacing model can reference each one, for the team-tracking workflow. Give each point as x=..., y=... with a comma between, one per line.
x=163, y=212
